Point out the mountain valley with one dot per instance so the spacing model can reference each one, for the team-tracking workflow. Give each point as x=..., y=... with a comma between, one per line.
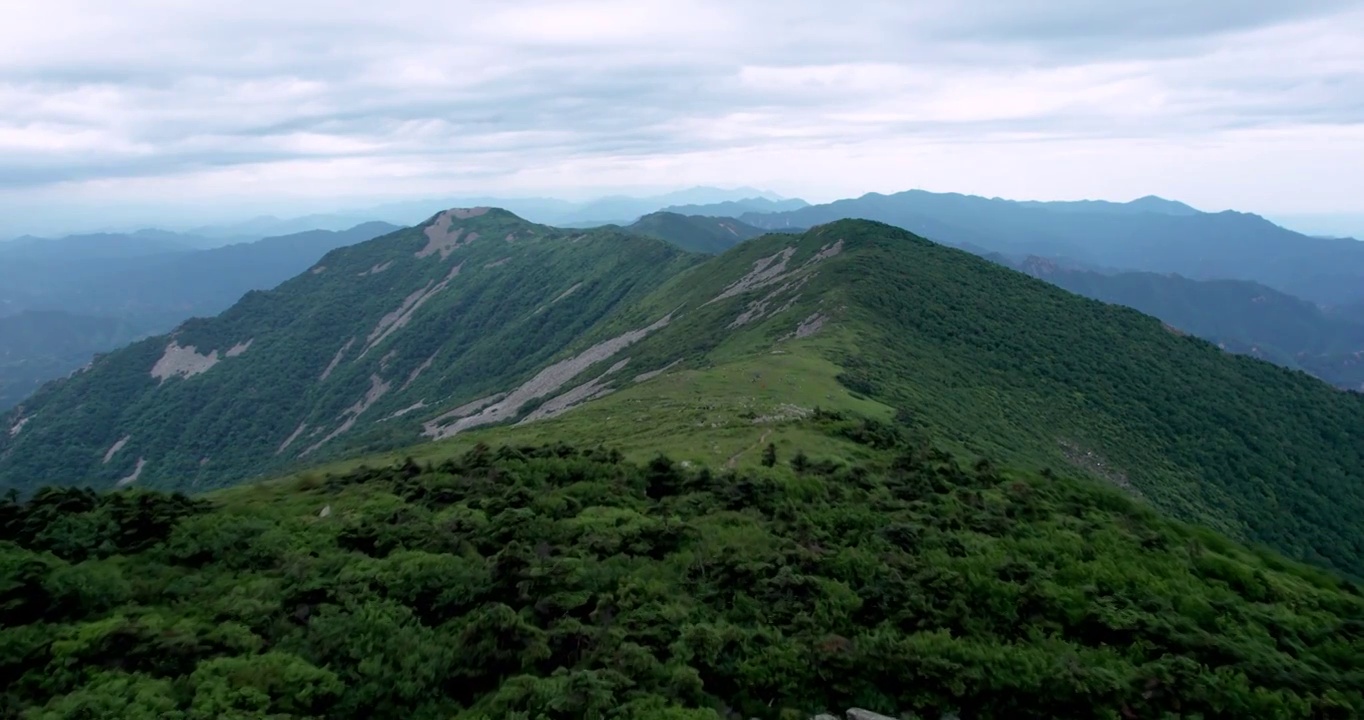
x=38, y=346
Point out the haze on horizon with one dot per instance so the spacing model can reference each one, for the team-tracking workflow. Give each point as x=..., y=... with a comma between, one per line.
x=154, y=111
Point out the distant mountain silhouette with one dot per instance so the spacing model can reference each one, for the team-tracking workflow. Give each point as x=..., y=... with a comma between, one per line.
x=63, y=300
x=695, y=233
x=1150, y=234
x=733, y=208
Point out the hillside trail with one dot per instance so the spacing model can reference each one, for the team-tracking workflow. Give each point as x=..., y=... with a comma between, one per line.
x=734, y=460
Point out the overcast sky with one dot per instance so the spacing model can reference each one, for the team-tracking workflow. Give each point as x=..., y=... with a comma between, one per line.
x=215, y=106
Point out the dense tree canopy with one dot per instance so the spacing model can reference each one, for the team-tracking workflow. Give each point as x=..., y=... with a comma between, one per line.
x=555, y=582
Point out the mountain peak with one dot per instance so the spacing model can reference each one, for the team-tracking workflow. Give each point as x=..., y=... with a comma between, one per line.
x=1157, y=204
x=694, y=233
x=469, y=213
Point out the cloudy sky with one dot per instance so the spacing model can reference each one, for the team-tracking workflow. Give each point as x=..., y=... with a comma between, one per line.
x=214, y=107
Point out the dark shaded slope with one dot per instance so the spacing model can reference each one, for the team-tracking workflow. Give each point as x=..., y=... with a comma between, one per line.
x=158, y=290
x=1010, y=366
x=695, y=233
x=1239, y=316
x=37, y=346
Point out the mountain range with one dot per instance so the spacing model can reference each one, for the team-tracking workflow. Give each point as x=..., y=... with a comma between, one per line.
x=1226, y=306
x=1149, y=235
x=614, y=209
x=1238, y=315
x=734, y=208
x=81, y=295
x=480, y=318
x=141, y=243
x=483, y=467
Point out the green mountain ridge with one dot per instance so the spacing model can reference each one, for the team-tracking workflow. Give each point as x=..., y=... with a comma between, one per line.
x=225, y=398
x=1239, y=316
x=695, y=233
x=477, y=319
x=1210, y=303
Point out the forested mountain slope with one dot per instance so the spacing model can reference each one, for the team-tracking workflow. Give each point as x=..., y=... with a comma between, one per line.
x=885, y=487
x=695, y=233
x=386, y=331
x=995, y=364
x=564, y=582
x=478, y=319
x=1237, y=315
x=1210, y=274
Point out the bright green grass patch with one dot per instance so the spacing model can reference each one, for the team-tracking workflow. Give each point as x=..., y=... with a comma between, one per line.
x=720, y=416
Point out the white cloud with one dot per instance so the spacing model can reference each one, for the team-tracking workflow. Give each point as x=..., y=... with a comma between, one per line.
x=145, y=102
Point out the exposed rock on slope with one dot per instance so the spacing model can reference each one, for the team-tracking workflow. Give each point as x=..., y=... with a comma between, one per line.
x=398, y=319
x=183, y=361
x=546, y=382
x=113, y=449
x=292, y=437
x=378, y=387
x=766, y=271
x=572, y=289
x=594, y=388
x=134, y=475
x=336, y=359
